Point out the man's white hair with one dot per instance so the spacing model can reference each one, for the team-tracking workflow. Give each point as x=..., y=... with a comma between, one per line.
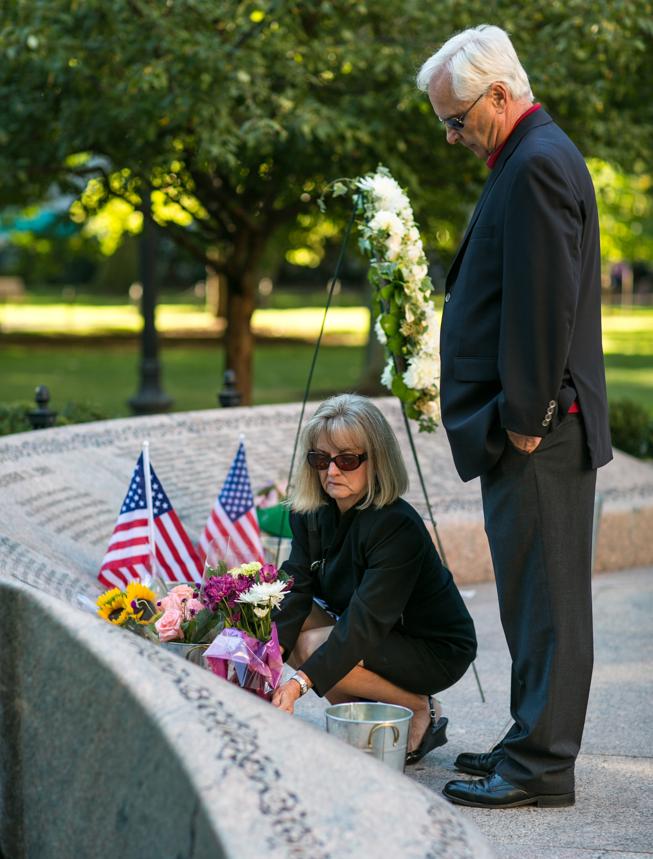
x=474, y=59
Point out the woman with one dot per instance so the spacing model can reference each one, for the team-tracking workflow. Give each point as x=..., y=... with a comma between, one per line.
x=372, y=614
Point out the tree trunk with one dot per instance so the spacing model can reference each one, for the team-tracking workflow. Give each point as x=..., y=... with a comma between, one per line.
x=241, y=270
x=239, y=340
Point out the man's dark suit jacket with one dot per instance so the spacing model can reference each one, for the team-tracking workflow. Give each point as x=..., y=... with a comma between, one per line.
x=521, y=329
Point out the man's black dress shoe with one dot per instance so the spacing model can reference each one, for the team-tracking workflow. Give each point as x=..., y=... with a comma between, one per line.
x=495, y=792
x=436, y=735
x=482, y=763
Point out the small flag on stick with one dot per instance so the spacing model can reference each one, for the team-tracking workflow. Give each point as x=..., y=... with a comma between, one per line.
x=129, y=556
x=232, y=525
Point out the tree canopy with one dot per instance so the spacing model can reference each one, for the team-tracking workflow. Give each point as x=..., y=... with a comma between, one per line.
x=236, y=114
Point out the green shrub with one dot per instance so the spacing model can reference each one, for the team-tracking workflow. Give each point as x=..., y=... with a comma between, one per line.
x=631, y=428
x=14, y=416
x=80, y=413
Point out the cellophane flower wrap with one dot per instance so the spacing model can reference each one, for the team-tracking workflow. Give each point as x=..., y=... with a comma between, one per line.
x=406, y=319
x=246, y=651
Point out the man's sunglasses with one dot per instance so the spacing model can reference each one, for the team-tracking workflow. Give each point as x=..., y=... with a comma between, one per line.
x=457, y=123
x=344, y=461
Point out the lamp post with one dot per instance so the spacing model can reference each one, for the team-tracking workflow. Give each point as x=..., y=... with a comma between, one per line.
x=151, y=398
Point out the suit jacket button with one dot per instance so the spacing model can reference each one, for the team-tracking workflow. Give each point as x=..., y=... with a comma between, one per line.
x=447, y=296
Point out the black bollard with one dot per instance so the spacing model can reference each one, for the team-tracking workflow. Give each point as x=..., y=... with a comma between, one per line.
x=42, y=417
x=150, y=398
x=229, y=395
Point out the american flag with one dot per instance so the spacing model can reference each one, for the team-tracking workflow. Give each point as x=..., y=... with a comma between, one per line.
x=233, y=525
x=128, y=555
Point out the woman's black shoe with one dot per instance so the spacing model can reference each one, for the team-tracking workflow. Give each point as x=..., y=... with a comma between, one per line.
x=436, y=735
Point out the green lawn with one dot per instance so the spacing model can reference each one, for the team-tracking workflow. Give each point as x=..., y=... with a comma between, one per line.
x=628, y=347
x=81, y=318
x=107, y=375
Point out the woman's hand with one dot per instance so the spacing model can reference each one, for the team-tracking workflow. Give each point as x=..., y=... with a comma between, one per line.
x=285, y=696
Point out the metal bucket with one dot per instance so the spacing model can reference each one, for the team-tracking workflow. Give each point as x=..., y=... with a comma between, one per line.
x=191, y=652
x=380, y=730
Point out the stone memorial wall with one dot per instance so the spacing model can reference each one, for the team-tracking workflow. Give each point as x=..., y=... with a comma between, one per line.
x=110, y=745
x=61, y=489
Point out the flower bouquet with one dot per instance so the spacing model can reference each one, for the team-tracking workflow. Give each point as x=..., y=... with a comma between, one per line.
x=227, y=621
x=246, y=651
x=179, y=619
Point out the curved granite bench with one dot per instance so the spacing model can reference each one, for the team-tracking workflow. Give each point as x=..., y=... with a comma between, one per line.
x=112, y=746
x=65, y=486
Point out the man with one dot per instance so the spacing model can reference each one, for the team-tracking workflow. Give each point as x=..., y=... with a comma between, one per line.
x=524, y=403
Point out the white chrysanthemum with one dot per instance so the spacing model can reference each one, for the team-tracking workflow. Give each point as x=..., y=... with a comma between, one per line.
x=393, y=247
x=387, y=192
x=386, y=377
x=413, y=252
x=380, y=333
x=430, y=340
x=268, y=594
x=421, y=372
x=418, y=272
x=388, y=221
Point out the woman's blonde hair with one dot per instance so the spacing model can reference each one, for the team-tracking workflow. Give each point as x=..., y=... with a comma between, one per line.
x=356, y=420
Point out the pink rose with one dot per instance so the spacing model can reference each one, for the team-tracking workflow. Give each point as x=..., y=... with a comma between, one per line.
x=176, y=596
x=168, y=626
x=191, y=608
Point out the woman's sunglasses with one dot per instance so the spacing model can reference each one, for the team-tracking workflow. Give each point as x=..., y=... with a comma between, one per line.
x=344, y=461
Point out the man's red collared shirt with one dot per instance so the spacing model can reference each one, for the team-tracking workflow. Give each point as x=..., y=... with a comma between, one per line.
x=492, y=160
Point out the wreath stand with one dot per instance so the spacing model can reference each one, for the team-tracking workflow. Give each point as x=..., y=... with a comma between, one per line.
x=409, y=432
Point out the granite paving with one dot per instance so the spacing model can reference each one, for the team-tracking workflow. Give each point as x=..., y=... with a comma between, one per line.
x=613, y=814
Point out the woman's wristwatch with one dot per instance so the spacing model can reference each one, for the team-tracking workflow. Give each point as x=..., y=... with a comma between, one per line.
x=303, y=685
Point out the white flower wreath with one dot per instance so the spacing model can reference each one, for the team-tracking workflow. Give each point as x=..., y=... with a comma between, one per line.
x=406, y=319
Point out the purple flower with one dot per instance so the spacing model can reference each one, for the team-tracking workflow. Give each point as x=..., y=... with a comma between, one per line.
x=268, y=573
x=224, y=590
x=217, y=589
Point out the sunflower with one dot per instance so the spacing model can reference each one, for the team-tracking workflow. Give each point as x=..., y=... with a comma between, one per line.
x=115, y=609
x=140, y=603
x=108, y=597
